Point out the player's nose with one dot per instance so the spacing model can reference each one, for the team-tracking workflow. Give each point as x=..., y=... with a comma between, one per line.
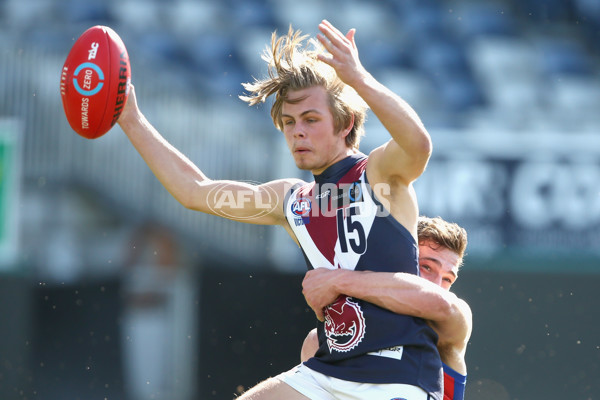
x=299, y=133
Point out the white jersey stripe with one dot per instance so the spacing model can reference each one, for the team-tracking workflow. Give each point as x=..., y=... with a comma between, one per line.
x=317, y=259
x=367, y=210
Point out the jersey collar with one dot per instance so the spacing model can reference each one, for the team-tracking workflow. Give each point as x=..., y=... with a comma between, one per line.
x=334, y=172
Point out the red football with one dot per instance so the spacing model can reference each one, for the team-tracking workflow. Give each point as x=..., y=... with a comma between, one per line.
x=95, y=81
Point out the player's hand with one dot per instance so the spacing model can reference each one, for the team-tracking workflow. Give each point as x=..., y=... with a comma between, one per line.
x=343, y=54
x=131, y=108
x=319, y=289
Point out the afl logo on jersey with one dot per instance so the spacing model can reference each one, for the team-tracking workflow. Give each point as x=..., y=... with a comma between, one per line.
x=301, y=209
x=344, y=325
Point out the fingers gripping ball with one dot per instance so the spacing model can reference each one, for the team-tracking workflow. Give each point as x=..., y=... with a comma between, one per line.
x=94, y=84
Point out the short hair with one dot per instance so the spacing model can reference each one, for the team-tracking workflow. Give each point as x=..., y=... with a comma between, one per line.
x=443, y=233
x=293, y=65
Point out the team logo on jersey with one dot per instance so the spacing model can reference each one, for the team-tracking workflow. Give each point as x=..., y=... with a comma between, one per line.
x=344, y=325
x=301, y=209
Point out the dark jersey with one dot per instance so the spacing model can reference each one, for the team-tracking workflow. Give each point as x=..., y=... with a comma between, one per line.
x=340, y=223
x=454, y=384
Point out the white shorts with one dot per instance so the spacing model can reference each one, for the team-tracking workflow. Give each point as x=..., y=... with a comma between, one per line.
x=317, y=386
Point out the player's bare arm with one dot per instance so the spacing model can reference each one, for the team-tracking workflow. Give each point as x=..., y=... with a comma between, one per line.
x=239, y=201
x=402, y=159
x=310, y=345
x=406, y=155
x=401, y=293
x=454, y=332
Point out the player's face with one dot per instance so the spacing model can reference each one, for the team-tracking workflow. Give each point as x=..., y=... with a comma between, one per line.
x=309, y=130
x=438, y=264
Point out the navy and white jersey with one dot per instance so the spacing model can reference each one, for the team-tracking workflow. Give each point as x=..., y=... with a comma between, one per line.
x=340, y=223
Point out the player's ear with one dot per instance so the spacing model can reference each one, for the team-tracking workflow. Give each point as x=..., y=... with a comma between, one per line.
x=348, y=129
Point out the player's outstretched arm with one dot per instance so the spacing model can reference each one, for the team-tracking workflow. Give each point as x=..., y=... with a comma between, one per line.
x=257, y=204
x=407, y=154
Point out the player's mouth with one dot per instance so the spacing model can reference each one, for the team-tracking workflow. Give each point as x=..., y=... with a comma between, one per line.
x=301, y=150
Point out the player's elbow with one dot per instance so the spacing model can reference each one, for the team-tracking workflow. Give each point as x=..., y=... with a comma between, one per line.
x=449, y=309
x=422, y=152
x=424, y=146
x=191, y=198
x=419, y=145
x=441, y=308
x=184, y=197
x=418, y=153
x=186, y=202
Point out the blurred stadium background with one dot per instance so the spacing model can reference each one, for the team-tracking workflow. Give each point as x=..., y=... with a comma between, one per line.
x=109, y=289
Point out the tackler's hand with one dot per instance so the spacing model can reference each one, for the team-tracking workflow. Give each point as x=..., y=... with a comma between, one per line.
x=319, y=289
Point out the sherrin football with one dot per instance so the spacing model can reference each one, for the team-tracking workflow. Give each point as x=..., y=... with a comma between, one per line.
x=94, y=84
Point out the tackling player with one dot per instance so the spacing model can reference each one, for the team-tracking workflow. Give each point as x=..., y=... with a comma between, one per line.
x=441, y=249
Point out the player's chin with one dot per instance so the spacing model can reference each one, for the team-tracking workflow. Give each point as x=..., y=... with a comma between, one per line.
x=304, y=158
x=304, y=163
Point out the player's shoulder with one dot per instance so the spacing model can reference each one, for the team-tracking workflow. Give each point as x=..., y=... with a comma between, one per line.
x=275, y=195
x=283, y=188
x=285, y=185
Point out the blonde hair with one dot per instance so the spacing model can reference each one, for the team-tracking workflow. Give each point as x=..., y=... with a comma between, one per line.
x=443, y=233
x=292, y=67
